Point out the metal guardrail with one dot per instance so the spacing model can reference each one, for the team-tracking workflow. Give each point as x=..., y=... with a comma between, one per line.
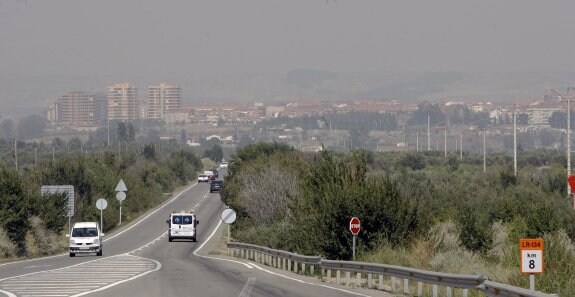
x=503, y=290
x=439, y=278
x=309, y=260
x=448, y=280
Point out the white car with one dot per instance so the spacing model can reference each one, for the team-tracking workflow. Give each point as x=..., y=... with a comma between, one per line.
x=224, y=164
x=85, y=237
x=203, y=178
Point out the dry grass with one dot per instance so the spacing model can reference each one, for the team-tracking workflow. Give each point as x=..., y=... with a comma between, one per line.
x=442, y=252
x=41, y=242
x=7, y=248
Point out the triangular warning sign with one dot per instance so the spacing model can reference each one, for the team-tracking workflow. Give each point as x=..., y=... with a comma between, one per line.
x=121, y=187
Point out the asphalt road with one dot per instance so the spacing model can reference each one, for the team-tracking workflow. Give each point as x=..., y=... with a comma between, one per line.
x=139, y=261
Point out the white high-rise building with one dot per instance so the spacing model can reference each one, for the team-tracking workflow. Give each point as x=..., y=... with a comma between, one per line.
x=122, y=102
x=163, y=99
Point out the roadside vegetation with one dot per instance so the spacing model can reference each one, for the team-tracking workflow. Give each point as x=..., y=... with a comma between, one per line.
x=420, y=210
x=33, y=225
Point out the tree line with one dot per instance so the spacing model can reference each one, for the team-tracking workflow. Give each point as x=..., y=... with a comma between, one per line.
x=31, y=224
x=302, y=203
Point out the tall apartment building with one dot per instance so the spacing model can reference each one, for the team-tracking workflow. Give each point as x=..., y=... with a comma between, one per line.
x=122, y=102
x=81, y=109
x=163, y=99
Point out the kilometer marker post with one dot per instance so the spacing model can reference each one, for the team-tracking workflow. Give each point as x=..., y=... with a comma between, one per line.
x=531, y=254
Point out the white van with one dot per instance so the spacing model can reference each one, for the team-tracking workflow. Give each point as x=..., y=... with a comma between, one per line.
x=182, y=225
x=85, y=237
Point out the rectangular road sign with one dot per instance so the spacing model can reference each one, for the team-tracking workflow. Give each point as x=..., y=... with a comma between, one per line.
x=531, y=254
x=68, y=189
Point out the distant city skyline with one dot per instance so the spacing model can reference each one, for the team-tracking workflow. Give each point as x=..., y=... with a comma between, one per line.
x=51, y=47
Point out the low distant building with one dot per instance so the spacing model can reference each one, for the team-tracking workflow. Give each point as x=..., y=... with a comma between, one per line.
x=274, y=111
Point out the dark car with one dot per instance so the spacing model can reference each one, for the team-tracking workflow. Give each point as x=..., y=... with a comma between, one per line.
x=216, y=185
x=216, y=174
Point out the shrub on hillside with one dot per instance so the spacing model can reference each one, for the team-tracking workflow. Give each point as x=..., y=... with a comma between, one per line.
x=7, y=248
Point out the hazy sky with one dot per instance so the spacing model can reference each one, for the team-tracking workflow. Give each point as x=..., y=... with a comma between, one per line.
x=199, y=37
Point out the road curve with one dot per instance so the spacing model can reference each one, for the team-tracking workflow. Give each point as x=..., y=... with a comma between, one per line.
x=139, y=261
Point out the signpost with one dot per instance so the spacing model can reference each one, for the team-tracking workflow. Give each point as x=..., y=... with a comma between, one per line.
x=531, y=253
x=228, y=217
x=101, y=204
x=354, y=227
x=121, y=195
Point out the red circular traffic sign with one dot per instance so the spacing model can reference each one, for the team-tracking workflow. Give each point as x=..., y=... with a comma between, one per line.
x=354, y=226
x=571, y=181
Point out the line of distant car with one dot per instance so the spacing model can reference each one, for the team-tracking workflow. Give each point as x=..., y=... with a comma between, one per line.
x=211, y=176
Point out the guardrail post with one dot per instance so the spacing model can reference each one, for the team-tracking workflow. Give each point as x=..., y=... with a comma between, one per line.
x=393, y=284
x=358, y=279
x=289, y=264
x=405, y=286
x=465, y=291
x=295, y=266
x=419, y=289
x=347, y=278
x=380, y=282
x=311, y=268
x=284, y=263
x=338, y=277
x=328, y=275
x=434, y=290
x=303, y=268
x=369, y=281
x=448, y=293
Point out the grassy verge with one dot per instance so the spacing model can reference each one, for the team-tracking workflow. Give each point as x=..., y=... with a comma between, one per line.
x=442, y=252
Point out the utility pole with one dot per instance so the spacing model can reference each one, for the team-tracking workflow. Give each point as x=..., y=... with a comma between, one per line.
x=108, y=132
x=460, y=145
x=428, y=133
x=16, y=153
x=445, y=143
x=562, y=98
x=484, y=158
x=515, y=141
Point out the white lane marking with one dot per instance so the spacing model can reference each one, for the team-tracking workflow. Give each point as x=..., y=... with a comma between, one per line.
x=36, y=266
x=247, y=290
x=7, y=293
x=82, y=278
x=308, y=283
x=106, y=239
x=153, y=212
x=165, y=233
x=158, y=266
x=251, y=265
x=221, y=259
